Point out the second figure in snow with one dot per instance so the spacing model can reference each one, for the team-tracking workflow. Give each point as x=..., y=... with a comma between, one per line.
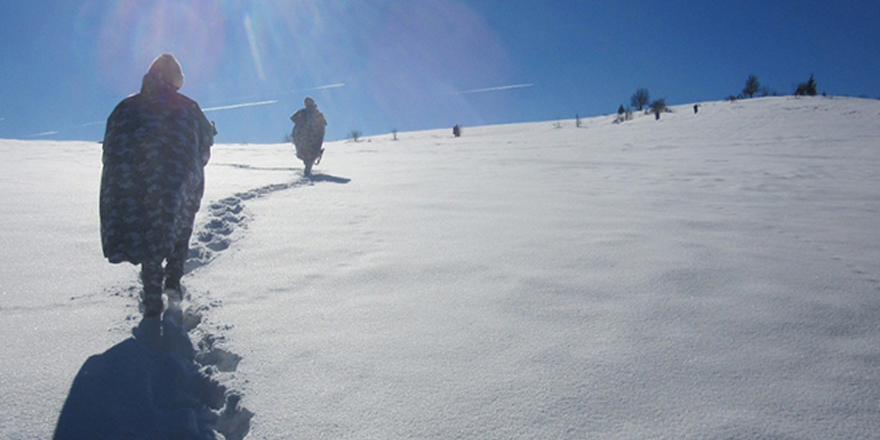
x=308, y=134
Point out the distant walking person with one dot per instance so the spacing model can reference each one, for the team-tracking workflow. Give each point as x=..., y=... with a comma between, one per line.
x=308, y=134
x=156, y=146
x=456, y=130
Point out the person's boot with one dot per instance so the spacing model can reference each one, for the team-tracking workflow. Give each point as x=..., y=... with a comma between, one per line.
x=152, y=305
x=173, y=289
x=173, y=274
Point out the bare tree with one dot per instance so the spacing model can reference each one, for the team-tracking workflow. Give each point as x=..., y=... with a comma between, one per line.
x=657, y=107
x=640, y=98
x=354, y=135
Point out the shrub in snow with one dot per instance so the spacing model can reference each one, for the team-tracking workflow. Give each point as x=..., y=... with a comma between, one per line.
x=657, y=107
x=806, y=88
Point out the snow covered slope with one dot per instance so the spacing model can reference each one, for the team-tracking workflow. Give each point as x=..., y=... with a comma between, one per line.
x=709, y=275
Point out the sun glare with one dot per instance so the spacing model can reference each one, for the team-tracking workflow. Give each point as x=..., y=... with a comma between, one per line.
x=391, y=55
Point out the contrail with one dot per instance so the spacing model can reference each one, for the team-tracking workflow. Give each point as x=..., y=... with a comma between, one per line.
x=45, y=133
x=246, y=104
x=54, y=132
x=211, y=109
x=329, y=86
x=494, y=89
x=271, y=101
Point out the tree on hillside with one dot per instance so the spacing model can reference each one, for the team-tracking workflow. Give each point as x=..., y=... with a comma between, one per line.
x=807, y=89
x=657, y=107
x=640, y=98
x=752, y=86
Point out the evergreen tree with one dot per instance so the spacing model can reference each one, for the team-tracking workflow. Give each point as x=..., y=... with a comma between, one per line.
x=752, y=86
x=808, y=88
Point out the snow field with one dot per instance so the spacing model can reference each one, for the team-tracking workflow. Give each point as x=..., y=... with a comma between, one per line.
x=710, y=275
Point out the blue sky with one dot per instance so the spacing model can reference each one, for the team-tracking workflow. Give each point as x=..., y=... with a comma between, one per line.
x=379, y=65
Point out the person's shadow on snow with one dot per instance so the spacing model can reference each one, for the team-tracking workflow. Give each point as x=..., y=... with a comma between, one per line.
x=150, y=387
x=327, y=178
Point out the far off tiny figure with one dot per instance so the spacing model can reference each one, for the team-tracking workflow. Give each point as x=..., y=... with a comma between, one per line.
x=456, y=131
x=156, y=146
x=696, y=108
x=308, y=134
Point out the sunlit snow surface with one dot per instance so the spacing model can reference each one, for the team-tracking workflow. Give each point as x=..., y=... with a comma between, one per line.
x=705, y=276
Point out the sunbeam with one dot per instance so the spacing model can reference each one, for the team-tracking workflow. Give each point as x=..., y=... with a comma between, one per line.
x=255, y=50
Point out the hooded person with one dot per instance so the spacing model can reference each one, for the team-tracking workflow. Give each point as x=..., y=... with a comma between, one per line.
x=308, y=133
x=156, y=145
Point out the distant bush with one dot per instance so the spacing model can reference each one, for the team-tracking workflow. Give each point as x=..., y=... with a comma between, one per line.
x=807, y=88
x=623, y=115
x=657, y=107
x=640, y=98
x=766, y=91
x=354, y=135
x=752, y=86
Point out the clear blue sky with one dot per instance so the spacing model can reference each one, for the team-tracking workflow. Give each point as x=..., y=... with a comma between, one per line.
x=378, y=65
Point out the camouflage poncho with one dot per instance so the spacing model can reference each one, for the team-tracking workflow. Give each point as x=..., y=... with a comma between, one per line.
x=156, y=145
x=308, y=132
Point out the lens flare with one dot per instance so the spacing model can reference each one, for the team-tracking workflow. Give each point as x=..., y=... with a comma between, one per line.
x=125, y=37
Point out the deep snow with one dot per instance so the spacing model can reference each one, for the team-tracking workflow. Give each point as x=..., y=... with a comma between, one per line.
x=710, y=275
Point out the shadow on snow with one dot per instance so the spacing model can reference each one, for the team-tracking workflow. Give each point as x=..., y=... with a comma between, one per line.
x=153, y=385
x=158, y=383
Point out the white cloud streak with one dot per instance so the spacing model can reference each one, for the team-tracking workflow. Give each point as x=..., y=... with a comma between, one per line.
x=494, y=89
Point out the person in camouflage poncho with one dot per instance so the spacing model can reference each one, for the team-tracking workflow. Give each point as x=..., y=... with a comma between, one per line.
x=156, y=146
x=308, y=134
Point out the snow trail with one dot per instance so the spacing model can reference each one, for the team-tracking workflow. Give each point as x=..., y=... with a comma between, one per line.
x=170, y=378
